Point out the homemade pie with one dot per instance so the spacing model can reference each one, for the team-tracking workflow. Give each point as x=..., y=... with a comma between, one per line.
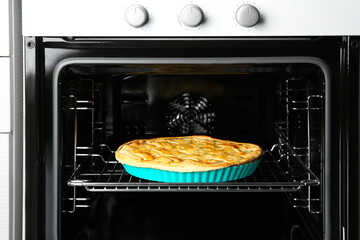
x=187, y=154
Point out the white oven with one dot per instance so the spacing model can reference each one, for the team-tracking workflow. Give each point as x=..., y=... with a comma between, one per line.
x=283, y=74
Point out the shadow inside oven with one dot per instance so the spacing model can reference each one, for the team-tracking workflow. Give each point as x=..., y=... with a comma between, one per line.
x=184, y=216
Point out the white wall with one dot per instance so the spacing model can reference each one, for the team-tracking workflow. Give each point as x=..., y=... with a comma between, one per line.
x=5, y=119
x=4, y=28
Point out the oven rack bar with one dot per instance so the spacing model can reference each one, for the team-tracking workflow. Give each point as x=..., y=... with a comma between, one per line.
x=304, y=197
x=301, y=199
x=278, y=171
x=301, y=105
x=297, y=93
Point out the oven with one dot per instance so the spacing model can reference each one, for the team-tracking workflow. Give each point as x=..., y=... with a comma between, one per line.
x=295, y=96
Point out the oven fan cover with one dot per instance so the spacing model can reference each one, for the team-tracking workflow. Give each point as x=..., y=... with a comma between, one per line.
x=190, y=113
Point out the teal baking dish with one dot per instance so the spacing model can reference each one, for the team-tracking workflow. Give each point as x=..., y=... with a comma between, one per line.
x=213, y=176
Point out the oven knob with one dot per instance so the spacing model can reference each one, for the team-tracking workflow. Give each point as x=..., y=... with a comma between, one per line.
x=192, y=15
x=136, y=16
x=247, y=15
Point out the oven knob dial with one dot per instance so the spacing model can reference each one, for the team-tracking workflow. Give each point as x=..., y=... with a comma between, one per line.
x=136, y=16
x=247, y=15
x=192, y=16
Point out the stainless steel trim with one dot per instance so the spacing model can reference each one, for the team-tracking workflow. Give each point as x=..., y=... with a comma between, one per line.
x=17, y=215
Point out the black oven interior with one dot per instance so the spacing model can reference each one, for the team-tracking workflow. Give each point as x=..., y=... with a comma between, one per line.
x=279, y=106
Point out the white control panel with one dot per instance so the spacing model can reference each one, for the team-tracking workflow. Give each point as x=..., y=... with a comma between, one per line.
x=164, y=18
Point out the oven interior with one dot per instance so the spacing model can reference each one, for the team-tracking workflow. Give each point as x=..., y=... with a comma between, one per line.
x=280, y=107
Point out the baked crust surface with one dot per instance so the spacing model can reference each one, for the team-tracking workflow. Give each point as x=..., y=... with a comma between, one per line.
x=187, y=154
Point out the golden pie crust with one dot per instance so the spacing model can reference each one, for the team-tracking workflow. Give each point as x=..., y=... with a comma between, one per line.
x=187, y=154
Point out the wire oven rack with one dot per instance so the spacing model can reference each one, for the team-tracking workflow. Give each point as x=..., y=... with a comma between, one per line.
x=278, y=171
